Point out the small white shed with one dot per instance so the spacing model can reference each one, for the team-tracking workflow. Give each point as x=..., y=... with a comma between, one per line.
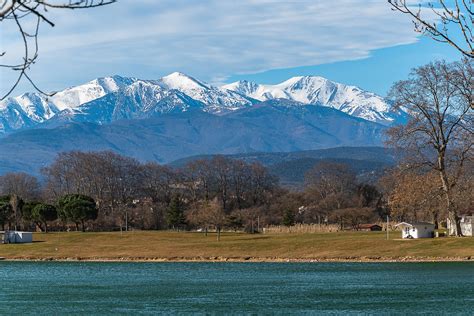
x=417, y=230
x=17, y=237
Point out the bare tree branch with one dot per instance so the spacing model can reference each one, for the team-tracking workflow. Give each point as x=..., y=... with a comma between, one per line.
x=454, y=26
x=20, y=11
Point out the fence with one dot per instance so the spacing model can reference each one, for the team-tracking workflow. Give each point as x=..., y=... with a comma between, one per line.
x=317, y=228
x=301, y=228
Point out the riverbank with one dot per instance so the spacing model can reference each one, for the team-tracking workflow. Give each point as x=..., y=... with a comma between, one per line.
x=152, y=246
x=242, y=260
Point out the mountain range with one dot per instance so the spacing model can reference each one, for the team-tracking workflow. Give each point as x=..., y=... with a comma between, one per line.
x=108, y=99
x=178, y=116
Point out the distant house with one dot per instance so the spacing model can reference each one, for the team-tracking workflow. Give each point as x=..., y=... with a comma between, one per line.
x=416, y=230
x=369, y=227
x=467, y=225
x=16, y=237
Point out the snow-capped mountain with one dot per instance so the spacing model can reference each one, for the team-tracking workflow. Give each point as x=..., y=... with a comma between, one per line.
x=265, y=127
x=217, y=100
x=108, y=99
x=31, y=109
x=321, y=91
x=141, y=99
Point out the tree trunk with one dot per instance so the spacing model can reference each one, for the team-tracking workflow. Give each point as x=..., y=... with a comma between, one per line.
x=83, y=227
x=40, y=227
x=452, y=212
x=455, y=224
x=77, y=226
x=218, y=233
x=436, y=219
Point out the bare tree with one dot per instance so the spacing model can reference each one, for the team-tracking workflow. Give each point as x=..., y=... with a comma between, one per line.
x=112, y=180
x=331, y=183
x=208, y=213
x=25, y=13
x=440, y=133
x=262, y=184
x=22, y=184
x=453, y=23
x=199, y=179
x=416, y=196
x=222, y=167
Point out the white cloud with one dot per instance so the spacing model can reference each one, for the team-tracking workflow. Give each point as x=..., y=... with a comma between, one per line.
x=211, y=39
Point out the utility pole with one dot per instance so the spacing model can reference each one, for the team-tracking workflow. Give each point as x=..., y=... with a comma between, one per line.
x=126, y=220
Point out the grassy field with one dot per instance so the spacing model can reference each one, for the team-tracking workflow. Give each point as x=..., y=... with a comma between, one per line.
x=151, y=245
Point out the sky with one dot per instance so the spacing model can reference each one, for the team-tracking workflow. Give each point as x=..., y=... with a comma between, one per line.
x=357, y=42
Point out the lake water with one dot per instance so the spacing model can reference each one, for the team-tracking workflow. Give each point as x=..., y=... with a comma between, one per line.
x=239, y=288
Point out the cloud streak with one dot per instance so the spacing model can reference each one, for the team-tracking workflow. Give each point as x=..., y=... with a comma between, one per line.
x=211, y=39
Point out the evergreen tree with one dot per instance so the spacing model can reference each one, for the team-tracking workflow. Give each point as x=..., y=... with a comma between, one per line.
x=6, y=211
x=77, y=208
x=42, y=213
x=175, y=214
x=27, y=213
x=289, y=218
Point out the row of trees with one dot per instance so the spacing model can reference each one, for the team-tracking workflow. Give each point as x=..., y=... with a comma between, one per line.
x=105, y=191
x=126, y=191
x=217, y=193
x=71, y=208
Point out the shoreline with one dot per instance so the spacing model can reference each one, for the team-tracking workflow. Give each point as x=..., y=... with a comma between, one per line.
x=184, y=247
x=245, y=259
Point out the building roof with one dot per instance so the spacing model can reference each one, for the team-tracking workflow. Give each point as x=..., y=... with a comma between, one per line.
x=415, y=224
x=368, y=225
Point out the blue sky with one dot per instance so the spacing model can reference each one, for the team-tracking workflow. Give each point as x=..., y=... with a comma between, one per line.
x=375, y=73
x=359, y=42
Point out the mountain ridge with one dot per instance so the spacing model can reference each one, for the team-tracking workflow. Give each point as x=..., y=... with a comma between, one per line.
x=165, y=138
x=107, y=99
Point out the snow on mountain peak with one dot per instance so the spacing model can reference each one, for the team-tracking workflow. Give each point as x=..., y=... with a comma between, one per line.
x=75, y=96
x=219, y=100
x=321, y=91
x=180, y=81
x=243, y=87
x=177, y=92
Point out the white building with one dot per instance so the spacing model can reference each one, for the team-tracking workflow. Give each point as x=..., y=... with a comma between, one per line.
x=466, y=223
x=16, y=237
x=417, y=230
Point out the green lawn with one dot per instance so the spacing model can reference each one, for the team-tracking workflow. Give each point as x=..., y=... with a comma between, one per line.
x=237, y=246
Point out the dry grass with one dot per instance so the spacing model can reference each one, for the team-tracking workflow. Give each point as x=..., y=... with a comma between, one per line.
x=237, y=246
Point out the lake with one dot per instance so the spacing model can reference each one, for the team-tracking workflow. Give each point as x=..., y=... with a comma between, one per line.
x=239, y=288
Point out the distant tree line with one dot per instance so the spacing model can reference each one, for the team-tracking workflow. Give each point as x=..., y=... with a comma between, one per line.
x=99, y=191
x=107, y=191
